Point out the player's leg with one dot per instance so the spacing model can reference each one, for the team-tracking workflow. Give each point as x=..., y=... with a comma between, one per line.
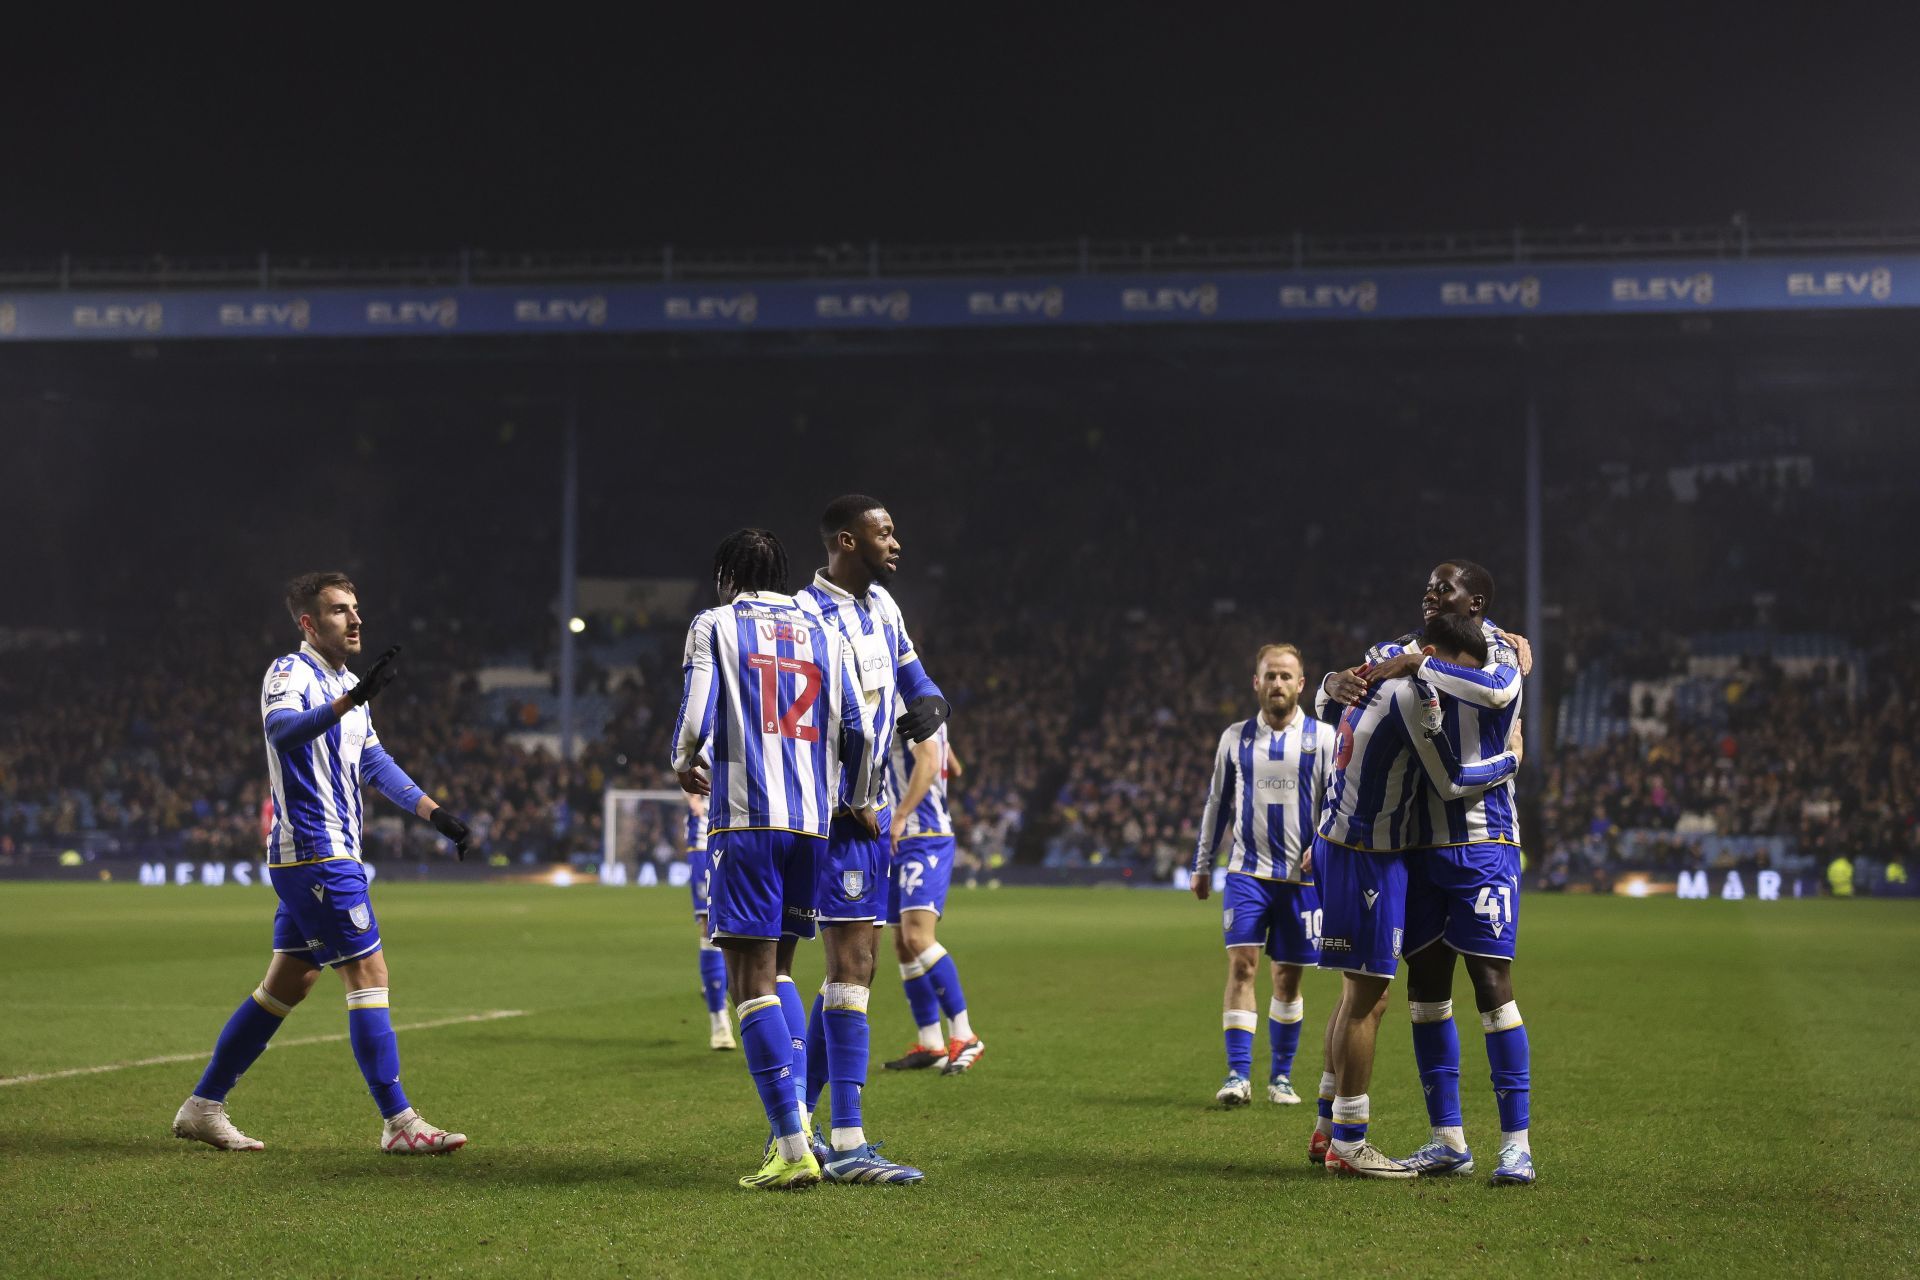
x=377, y=1050
x=1363, y=896
x=1436, y=1041
x=1483, y=925
x=203, y=1116
x=1293, y=943
x=930, y=1047
x=1286, y=1011
x=1510, y=1059
x=713, y=987
x=1237, y=1020
x=924, y=869
x=910, y=938
x=1322, y=1138
x=851, y=894
x=794, y=1011
x=748, y=912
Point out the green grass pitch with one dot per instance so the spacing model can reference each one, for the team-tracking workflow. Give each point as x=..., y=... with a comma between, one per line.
x=1718, y=1087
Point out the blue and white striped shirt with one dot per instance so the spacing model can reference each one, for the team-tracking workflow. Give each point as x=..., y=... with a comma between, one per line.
x=930, y=817
x=773, y=696
x=884, y=655
x=1383, y=763
x=696, y=831
x=316, y=762
x=1473, y=734
x=1269, y=786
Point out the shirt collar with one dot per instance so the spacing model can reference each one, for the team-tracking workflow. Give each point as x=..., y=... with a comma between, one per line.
x=767, y=597
x=832, y=588
x=306, y=647
x=1293, y=721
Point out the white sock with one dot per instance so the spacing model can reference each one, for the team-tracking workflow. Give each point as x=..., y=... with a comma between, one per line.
x=1451, y=1136
x=719, y=1020
x=1328, y=1088
x=793, y=1146
x=848, y=1139
x=930, y=1039
x=1518, y=1138
x=962, y=1028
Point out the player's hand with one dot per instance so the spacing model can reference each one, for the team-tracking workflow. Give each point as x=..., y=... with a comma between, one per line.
x=1348, y=687
x=1517, y=743
x=1522, y=651
x=869, y=820
x=448, y=824
x=693, y=782
x=924, y=717
x=1394, y=668
x=1203, y=886
x=897, y=827
x=378, y=677
x=1431, y=720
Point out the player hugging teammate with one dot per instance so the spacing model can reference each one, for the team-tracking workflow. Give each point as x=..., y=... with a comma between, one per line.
x=1415, y=849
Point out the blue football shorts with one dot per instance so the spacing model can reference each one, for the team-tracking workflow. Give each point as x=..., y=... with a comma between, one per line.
x=1363, y=905
x=1281, y=917
x=324, y=914
x=853, y=873
x=1466, y=895
x=762, y=883
x=922, y=874
x=700, y=879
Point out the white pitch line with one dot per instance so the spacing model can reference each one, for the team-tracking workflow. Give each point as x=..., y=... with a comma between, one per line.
x=491, y=1015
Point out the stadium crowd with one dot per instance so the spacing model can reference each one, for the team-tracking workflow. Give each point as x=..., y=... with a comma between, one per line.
x=1094, y=647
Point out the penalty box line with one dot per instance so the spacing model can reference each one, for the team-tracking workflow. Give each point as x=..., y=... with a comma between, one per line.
x=492, y=1015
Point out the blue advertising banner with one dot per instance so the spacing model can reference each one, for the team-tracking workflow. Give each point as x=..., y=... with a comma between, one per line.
x=1266, y=297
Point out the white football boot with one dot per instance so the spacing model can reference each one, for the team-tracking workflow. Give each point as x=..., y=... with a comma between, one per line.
x=1236, y=1092
x=720, y=1036
x=199, y=1120
x=1366, y=1162
x=408, y=1135
x=1280, y=1090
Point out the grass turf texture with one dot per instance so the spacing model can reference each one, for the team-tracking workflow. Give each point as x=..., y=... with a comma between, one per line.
x=1719, y=1087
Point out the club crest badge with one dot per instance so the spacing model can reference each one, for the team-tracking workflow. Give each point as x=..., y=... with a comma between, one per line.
x=852, y=883
x=360, y=916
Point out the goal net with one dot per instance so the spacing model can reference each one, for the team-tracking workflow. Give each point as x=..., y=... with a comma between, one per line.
x=643, y=837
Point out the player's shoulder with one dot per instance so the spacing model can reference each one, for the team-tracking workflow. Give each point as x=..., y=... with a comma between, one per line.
x=288, y=669
x=1238, y=730
x=883, y=601
x=1391, y=648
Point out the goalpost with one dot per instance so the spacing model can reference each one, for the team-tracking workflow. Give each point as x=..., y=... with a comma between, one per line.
x=633, y=825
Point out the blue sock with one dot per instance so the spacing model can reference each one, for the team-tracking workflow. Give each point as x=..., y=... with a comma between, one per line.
x=1510, y=1057
x=241, y=1043
x=845, y=1015
x=769, y=1053
x=815, y=1065
x=713, y=979
x=376, y=1048
x=945, y=979
x=795, y=1015
x=1239, y=1032
x=920, y=995
x=1436, y=1051
x=1283, y=1032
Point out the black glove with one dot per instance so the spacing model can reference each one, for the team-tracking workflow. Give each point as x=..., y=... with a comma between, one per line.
x=377, y=678
x=449, y=825
x=924, y=717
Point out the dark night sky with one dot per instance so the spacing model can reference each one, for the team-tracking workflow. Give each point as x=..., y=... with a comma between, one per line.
x=830, y=125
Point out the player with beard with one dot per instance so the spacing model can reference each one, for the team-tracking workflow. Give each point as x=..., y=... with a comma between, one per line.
x=1269, y=782
x=321, y=748
x=1463, y=588
x=850, y=597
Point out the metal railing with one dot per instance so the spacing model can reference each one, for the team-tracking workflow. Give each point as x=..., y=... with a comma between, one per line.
x=875, y=259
